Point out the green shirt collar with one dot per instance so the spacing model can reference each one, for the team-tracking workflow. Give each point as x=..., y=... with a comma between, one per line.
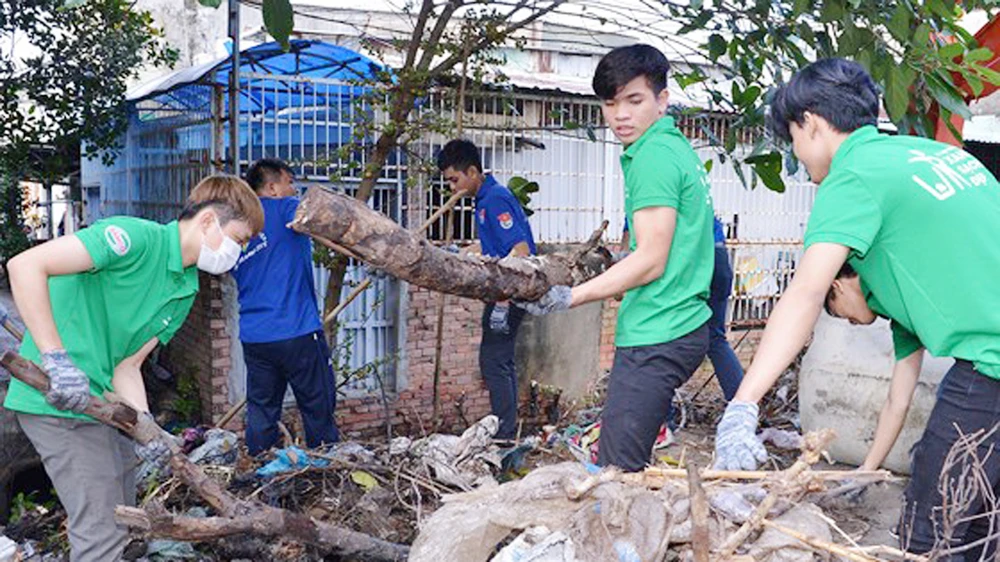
x=175, y=258
x=663, y=125
x=855, y=139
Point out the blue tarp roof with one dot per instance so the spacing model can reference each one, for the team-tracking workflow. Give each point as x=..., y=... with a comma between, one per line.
x=309, y=58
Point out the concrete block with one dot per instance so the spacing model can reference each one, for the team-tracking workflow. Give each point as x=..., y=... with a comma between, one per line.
x=844, y=381
x=560, y=349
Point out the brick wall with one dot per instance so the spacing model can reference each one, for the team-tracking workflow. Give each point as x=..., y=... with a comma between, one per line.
x=201, y=349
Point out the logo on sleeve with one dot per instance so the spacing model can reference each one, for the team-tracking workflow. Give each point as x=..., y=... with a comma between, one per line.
x=506, y=221
x=482, y=216
x=117, y=239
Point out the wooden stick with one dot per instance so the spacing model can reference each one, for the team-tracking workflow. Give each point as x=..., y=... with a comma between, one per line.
x=350, y=298
x=699, y=515
x=13, y=329
x=813, y=445
x=333, y=245
x=818, y=544
x=652, y=474
x=451, y=202
x=231, y=413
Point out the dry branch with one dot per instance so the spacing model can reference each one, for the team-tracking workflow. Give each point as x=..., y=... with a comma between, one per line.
x=244, y=516
x=699, y=516
x=812, y=446
x=380, y=242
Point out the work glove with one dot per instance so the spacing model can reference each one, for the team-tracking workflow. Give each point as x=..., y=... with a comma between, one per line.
x=558, y=298
x=736, y=444
x=499, y=319
x=69, y=387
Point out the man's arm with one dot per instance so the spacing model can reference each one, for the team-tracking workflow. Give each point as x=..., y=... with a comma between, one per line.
x=653, y=229
x=890, y=420
x=792, y=321
x=29, y=282
x=127, y=378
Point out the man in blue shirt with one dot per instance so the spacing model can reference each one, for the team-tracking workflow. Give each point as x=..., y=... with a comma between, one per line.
x=503, y=231
x=280, y=329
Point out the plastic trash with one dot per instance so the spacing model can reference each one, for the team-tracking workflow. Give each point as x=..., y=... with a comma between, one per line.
x=219, y=448
x=8, y=550
x=538, y=544
x=781, y=438
x=289, y=459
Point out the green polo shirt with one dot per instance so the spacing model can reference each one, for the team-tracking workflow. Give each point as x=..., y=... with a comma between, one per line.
x=662, y=170
x=922, y=220
x=138, y=289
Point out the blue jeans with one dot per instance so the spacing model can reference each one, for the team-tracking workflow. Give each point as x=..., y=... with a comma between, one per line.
x=723, y=358
x=967, y=402
x=727, y=365
x=304, y=363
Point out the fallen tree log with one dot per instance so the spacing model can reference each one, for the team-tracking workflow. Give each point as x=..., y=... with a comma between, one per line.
x=382, y=243
x=235, y=515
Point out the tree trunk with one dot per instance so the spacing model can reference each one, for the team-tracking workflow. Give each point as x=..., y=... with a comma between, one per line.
x=382, y=243
x=236, y=515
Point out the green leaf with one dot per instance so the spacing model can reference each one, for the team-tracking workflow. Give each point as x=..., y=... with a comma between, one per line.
x=897, y=95
x=832, y=10
x=768, y=169
x=210, y=3
x=697, y=23
x=800, y=7
x=899, y=23
x=716, y=46
x=708, y=166
x=950, y=51
x=364, y=479
x=975, y=83
x=980, y=54
x=279, y=20
x=947, y=96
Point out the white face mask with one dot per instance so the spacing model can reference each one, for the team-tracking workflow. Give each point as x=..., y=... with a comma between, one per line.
x=222, y=260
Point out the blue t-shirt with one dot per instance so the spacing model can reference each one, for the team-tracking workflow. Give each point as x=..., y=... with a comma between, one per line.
x=502, y=222
x=275, y=279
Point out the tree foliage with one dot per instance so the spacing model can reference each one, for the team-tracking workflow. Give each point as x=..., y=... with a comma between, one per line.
x=924, y=61
x=63, y=73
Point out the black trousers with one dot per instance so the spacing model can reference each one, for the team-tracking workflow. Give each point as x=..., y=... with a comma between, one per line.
x=967, y=402
x=496, y=363
x=304, y=363
x=640, y=389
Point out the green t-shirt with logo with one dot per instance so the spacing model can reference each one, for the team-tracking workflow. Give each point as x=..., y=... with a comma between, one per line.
x=922, y=219
x=662, y=170
x=138, y=289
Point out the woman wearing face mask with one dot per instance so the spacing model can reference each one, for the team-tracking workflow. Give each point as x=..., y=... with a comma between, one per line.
x=96, y=304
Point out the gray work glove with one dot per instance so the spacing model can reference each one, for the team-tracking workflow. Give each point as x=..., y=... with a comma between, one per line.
x=736, y=443
x=156, y=453
x=558, y=298
x=500, y=319
x=69, y=387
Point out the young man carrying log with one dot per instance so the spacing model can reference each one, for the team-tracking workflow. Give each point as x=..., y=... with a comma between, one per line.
x=503, y=231
x=280, y=329
x=662, y=333
x=917, y=220
x=96, y=304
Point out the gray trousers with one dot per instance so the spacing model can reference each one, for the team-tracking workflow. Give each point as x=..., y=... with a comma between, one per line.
x=92, y=467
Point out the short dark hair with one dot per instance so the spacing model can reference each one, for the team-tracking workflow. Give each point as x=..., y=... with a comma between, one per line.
x=838, y=90
x=846, y=272
x=266, y=170
x=624, y=64
x=459, y=154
